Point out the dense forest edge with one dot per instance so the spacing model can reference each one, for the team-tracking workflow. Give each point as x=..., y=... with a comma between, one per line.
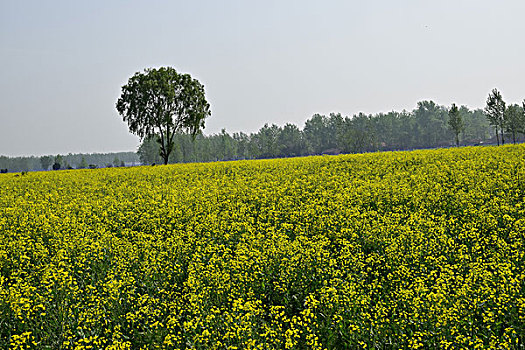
x=429, y=125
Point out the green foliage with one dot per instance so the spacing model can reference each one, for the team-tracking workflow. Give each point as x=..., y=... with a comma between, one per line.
x=290, y=140
x=455, y=122
x=59, y=159
x=316, y=133
x=431, y=122
x=58, y=162
x=96, y=160
x=149, y=152
x=495, y=112
x=267, y=141
x=163, y=102
x=476, y=124
x=46, y=162
x=83, y=163
x=328, y=135
x=514, y=120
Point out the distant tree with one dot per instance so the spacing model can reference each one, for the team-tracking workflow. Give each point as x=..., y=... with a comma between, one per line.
x=116, y=162
x=267, y=141
x=163, y=102
x=521, y=128
x=360, y=133
x=226, y=146
x=83, y=164
x=316, y=132
x=290, y=141
x=176, y=156
x=395, y=130
x=148, y=151
x=46, y=162
x=514, y=120
x=455, y=122
x=58, y=162
x=477, y=127
x=431, y=124
x=243, y=141
x=334, y=126
x=495, y=112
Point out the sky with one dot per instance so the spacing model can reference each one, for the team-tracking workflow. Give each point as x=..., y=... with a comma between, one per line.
x=63, y=63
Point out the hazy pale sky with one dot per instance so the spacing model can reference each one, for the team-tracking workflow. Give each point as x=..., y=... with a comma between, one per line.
x=62, y=63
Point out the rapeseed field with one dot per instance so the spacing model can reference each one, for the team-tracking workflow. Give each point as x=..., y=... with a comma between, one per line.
x=421, y=249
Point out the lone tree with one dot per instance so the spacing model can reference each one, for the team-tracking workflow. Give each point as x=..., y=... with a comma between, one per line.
x=495, y=112
x=455, y=121
x=163, y=102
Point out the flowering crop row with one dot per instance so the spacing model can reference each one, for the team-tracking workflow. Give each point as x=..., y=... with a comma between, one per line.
x=420, y=249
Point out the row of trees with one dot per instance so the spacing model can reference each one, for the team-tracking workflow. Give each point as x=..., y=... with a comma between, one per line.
x=427, y=126
x=164, y=107
x=504, y=119
x=69, y=161
x=510, y=119
x=167, y=110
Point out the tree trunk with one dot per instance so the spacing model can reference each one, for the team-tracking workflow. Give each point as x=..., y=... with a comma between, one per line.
x=497, y=135
x=457, y=140
x=163, y=153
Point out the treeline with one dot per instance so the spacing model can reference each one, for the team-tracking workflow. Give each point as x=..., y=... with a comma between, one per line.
x=427, y=126
x=70, y=161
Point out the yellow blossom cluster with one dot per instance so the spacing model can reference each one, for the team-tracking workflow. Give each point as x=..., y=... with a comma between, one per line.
x=421, y=249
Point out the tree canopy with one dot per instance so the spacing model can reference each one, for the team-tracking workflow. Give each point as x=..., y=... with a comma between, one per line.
x=425, y=127
x=163, y=102
x=514, y=120
x=495, y=111
x=455, y=122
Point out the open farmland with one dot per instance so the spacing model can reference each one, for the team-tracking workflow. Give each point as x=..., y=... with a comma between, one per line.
x=421, y=249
